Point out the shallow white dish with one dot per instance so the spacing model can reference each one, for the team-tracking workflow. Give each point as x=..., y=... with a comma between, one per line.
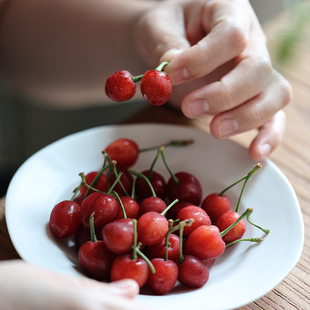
x=244, y=273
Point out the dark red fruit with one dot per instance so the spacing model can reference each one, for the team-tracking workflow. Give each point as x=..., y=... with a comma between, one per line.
x=131, y=208
x=120, y=86
x=227, y=219
x=215, y=205
x=193, y=272
x=205, y=242
x=187, y=190
x=103, y=206
x=199, y=216
x=159, y=250
x=174, y=210
x=124, y=267
x=126, y=180
x=65, y=219
x=118, y=237
x=101, y=185
x=96, y=259
x=164, y=279
x=156, y=87
x=157, y=181
x=124, y=151
x=152, y=228
x=152, y=204
x=83, y=235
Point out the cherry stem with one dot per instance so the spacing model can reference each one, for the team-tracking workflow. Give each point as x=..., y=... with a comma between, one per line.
x=133, y=186
x=187, y=222
x=118, y=176
x=137, y=78
x=135, y=240
x=162, y=65
x=245, y=239
x=136, y=250
x=169, y=207
x=153, y=163
x=115, y=172
x=247, y=212
x=247, y=178
x=92, y=228
x=88, y=186
x=121, y=204
x=254, y=169
x=175, y=179
x=140, y=175
x=175, y=143
x=265, y=230
x=76, y=190
x=97, y=177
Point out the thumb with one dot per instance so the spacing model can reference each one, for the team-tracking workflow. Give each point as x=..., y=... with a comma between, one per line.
x=160, y=34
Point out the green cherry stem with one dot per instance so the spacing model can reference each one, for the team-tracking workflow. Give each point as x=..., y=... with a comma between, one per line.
x=161, y=150
x=136, y=250
x=120, y=202
x=118, y=176
x=174, y=143
x=187, y=222
x=92, y=228
x=138, y=78
x=169, y=207
x=247, y=212
x=153, y=163
x=76, y=190
x=140, y=175
x=265, y=230
x=247, y=178
x=245, y=239
x=162, y=65
x=88, y=186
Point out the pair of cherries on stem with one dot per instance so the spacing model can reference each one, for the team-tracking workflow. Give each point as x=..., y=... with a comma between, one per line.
x=155, y=86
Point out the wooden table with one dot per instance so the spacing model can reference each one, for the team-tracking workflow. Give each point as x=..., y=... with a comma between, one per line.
x=292, y=157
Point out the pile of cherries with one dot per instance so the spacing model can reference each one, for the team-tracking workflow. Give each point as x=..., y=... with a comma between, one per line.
x=130, y=224
x=155, y=86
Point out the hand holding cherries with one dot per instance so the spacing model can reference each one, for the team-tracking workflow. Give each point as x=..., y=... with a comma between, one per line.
x=138, y=225
x=156, y=86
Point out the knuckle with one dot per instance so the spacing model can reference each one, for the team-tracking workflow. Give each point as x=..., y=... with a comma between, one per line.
x=287, y=91
x=237, y=35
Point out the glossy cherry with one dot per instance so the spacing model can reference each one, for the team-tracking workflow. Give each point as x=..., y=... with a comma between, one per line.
x=131, y=208
x=65, y=219
x=151, y=203
x=101, y=184
x=164, y=279
x=104, y=207
x=199, y=216
x=124, y=185
x=118, y=237
x=120, y=86
x=187, y=189
x=124, y=151
x=156, y=87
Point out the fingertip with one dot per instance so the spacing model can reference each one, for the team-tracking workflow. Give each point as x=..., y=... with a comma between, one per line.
x=126, y=288
x=170, y=54
x=260, y=151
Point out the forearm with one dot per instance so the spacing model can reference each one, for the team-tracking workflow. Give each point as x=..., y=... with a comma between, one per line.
x=63, y=51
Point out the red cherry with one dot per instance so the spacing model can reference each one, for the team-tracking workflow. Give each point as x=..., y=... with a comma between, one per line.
x=205, y=242
x=187, y=190
x=174, y=210
x=120, y=86
x=101, y=185
x=193, y=272
x=165, y=278
x=96, y=259
x=159, y=250
x=103, y=206
x=124, y=267
x=215, y=205
x=124, y=151
x=83, y=235
x=156, y=87
x=152, y=204
x=152, y=227
x=131, y=208
x=118, y=237
x=199, y=216
x=157, y=181
x=65, y=219
x=225, y=221
x=126, y=180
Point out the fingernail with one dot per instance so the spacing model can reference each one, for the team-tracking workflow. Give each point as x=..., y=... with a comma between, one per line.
x=179, y=75
x=228, y=127
x=265, y=150
x=198, y=108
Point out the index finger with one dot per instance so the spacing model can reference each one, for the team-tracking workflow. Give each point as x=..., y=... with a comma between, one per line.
x=228, y=24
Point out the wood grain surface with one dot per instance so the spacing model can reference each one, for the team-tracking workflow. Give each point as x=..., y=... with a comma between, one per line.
x=292, y=157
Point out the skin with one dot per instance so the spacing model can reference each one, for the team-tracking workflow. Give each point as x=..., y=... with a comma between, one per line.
x=21, y=288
